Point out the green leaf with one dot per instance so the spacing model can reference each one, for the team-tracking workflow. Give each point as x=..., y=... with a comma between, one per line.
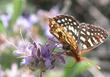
x=69, y=67
x=2, y=28
x=77, y=69
x=7, y=58
x=17, y=10
x=80, y=68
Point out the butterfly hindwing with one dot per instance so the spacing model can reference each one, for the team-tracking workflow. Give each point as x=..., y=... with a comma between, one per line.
x=91, y=35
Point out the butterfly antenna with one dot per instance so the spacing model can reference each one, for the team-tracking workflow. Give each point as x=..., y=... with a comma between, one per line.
x=22, y=36
x=32, y=40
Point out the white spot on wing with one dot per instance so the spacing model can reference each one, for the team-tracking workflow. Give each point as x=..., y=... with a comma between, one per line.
x=65, y=23
x=68, y=23
x=90, y=42
x=92, y=34
x=83, y=39
x=74, y=23
x=82, y=32
x=77, y=34
x=71, y=23
x=75, y=31
x=62, y=20
x=83, y=29
x=59, y=21
x=102, y=36
x=70, y=20
x=65, y=18
x=98, y=33
x=88, y=33
x=71, y=28
x=92, y=29
x=95, y=40
x=84, y=46
x=101, y=40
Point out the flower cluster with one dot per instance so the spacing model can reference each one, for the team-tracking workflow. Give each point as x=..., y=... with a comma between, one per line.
x=40, y=56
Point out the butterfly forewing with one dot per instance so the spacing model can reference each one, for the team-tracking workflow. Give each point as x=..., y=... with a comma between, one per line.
x=65, y=29
x=70, y=24
x=91, y=36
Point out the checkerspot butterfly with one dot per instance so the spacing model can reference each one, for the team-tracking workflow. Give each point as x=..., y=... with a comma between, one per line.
x=77, y=38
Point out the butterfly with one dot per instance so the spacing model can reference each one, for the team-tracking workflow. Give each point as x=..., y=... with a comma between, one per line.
x=77, y=38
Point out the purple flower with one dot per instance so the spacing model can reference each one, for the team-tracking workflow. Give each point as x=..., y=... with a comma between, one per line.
x=40, y=56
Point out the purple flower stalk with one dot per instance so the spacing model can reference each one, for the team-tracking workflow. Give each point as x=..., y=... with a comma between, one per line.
x=40, y=56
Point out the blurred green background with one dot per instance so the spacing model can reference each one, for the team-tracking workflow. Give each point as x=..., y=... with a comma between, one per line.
x=31, y=17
